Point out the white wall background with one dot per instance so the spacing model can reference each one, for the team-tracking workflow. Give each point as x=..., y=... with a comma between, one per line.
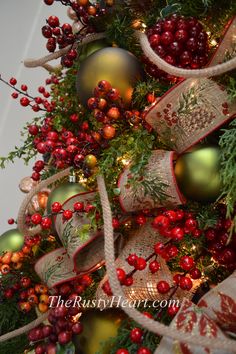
x=20, y=38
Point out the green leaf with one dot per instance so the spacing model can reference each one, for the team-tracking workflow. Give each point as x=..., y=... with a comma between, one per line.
x=66, y=349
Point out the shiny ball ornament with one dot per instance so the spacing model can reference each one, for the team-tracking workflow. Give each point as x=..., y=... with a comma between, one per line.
x=63, y=192
x=115, y=65
x=102, y=325
x=198, y=174
x=91, y=48
x=11, y=240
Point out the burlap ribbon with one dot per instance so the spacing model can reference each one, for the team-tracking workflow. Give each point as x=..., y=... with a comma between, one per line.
x=157, y=187
x=214, y=316
x=141, y=242
x=83, y=246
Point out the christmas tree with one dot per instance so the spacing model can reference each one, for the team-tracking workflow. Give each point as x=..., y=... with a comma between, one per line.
x=125, y=242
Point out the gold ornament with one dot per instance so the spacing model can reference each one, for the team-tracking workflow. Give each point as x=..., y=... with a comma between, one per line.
x=11, y=240
x=26, y=184
x=90, y=160
x=118, y=66
x=63, y=192
x=98, y=327
x=91, y=48
x=198, y=174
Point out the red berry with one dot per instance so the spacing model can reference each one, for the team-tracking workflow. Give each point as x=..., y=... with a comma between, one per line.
x=49, y=2
x=115, y=223
x=11, y=221
x=136, y=335
x=120, y=275
x=159, y=247
x=131, y=259
x=53, y=21
x=104, y=86
x=144, y=350
x=172, y=251
x=140, y=263
x=154, y=40
x=171, y=214
x=167, y=38
x=191, y=224
x=122, y=351
x=79, y=206
x=172, y=310
x=24, y=87
x=47, y=330
x=186, y=262
x=185, y=283
x=8, y=293
x=181, y=35
x=195, y=273
x=163, y=287
x=66, y=28
x=140, y=220
x=64, y=337
x=24, y=101
x=36, y=218
x=13, y=81
x=25, y=282
x=154, y=266
x=46, y=223
x=106, y=288
x=77, y=328
x=177, y=233
x=161, y=222
x=14, y=95
x=128, y=281
x=177, y=278
x=67, y=214
x=56, y=207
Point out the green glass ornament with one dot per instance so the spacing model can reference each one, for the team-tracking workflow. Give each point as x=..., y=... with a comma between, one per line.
x=198, y=174
x=11, y=240
x=63, y=192
x=118, y=66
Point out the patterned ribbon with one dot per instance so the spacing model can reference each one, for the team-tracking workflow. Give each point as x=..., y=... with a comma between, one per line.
x=194, y=108
x=83, y=247
x=214, y=317
x=157, y=187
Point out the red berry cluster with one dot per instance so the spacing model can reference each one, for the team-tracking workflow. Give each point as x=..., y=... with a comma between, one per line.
x=63, y=320
x=36, y=103
x=175, y=224
x=180, y=42
x=124, y=279
x=67, y=214
x=108, y=109
x=60, y=36
x=85, y=9
x=222, y=248
x=65, y=147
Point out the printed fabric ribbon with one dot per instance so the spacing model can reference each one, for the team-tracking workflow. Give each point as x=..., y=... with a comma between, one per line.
x=83, y=247
x=213, y=317
x=194, y=108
